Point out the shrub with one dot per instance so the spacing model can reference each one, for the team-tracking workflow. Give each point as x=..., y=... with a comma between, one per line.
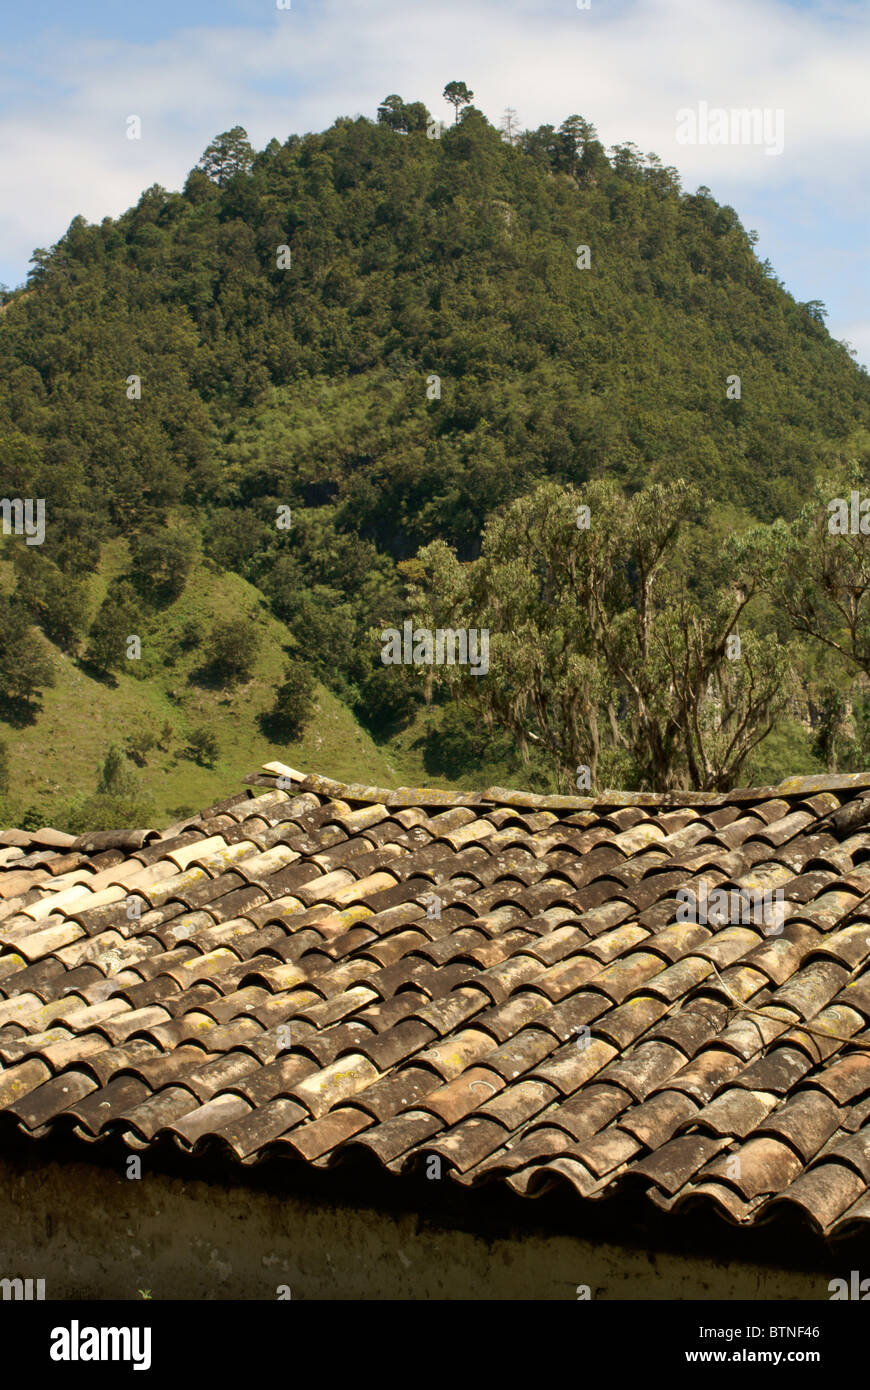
x=103, y=812
x=294, y=701
x=114, y=778
x=139, y=745
x=25, y=665
x=234, y=645
x=191, y=634
x=56, y=601
x=117, y=619
x=160, y=564
x=202, y=747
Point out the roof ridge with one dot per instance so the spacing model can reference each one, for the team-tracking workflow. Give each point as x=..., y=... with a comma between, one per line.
x=274, y=774
x=505, y=796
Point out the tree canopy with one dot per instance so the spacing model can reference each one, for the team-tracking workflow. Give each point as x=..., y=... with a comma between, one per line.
x=395, y=340
x=606, y=648
x=227, y=155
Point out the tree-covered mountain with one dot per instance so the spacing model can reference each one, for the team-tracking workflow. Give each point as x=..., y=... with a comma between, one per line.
x=317, y=358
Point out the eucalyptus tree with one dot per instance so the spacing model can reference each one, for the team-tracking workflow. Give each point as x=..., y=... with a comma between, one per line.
x=603, y=649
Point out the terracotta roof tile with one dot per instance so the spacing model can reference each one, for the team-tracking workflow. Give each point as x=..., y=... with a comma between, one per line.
x=823, y=1194
x=554, y=1020
x=656, y=1120
x=759, y=1167
x=677, y=1161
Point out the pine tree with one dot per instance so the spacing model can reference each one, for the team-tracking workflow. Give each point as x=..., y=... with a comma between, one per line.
x=458, y=95
x=227, y=155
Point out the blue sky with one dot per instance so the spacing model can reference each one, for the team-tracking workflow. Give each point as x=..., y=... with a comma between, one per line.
x=71, y=75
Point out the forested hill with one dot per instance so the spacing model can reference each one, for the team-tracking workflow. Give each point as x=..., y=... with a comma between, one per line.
x=409, y=256
x=392, y=335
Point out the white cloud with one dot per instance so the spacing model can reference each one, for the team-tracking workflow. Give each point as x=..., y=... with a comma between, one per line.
x=627, y=67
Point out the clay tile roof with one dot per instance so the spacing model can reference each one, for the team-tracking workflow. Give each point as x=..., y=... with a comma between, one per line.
x=504, y=980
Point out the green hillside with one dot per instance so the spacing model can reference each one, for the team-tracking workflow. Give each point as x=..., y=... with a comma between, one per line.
x=319, y=357
x=55, y=757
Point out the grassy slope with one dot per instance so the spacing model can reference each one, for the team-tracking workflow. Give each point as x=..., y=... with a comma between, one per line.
x=57, y=757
